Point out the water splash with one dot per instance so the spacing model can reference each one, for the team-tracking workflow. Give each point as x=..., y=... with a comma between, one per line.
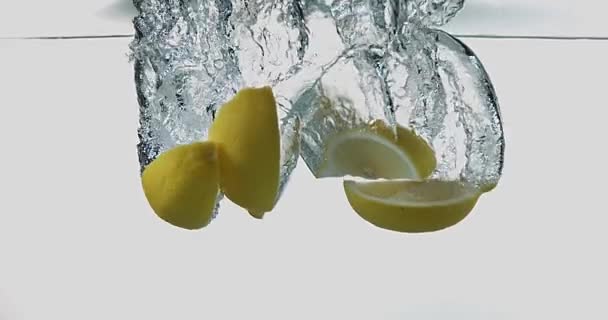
x=191, y=56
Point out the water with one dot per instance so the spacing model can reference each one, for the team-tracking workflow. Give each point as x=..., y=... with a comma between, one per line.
x=332, y=65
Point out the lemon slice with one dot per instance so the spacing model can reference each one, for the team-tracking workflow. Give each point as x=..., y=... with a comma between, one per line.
x=376, y=152
x=246, y=130
x=412, y=206
x=182, y=184
x=421, y=153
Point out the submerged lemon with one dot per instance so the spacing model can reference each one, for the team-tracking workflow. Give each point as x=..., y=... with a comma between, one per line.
x=375, y=151
x=419, y=151
x=246, y=130
x=412, y=206
x=182, y=184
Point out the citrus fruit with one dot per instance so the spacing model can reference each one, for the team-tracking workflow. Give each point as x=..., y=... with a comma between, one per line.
x=246, y=129
x=375, y=151
x=182, y=184
x=412, y=206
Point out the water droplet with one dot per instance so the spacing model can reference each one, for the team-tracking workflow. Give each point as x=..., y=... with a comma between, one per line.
x=401, y=92
x=218, y=64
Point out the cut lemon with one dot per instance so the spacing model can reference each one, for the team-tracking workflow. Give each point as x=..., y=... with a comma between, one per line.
x=416, y=147
x=412, y=206
x=181, y=184
x=246, y=130
x=375, y=151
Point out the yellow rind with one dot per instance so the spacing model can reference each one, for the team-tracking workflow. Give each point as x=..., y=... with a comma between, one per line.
x=246, y=130
x=406, y=217
x=182, y=184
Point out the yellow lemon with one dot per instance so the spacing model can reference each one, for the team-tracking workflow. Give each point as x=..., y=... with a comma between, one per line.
x=246, y=130
x=412, y=206
x=182, y=184
x=416, y=147
x=375, y=151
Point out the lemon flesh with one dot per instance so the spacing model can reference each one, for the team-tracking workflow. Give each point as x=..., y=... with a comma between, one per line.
x=364, y=154
x=246, y=130
x=417, y=149
x=412, y=206
x=375, y=151
x=182, y=184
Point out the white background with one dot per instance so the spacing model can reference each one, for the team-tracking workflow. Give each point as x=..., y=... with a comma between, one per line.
x=78, y=241
x=504, y=17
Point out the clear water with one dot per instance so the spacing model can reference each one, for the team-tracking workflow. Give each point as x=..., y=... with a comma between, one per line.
x=332, y=65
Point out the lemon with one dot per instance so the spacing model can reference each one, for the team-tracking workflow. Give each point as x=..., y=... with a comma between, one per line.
x=182, y=184
x=375, y=151
x=412, y=206
x=246, y=130
x=413, y=145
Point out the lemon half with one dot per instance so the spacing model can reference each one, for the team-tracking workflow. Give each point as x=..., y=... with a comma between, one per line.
x=182, y=184
x=246, y=130
x=375, y=151
x=412, y=206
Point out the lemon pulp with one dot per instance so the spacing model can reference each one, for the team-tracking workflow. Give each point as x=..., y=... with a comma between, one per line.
x=375, y=151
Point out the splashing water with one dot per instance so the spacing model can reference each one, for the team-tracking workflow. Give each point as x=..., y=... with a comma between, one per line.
x=332, y=64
